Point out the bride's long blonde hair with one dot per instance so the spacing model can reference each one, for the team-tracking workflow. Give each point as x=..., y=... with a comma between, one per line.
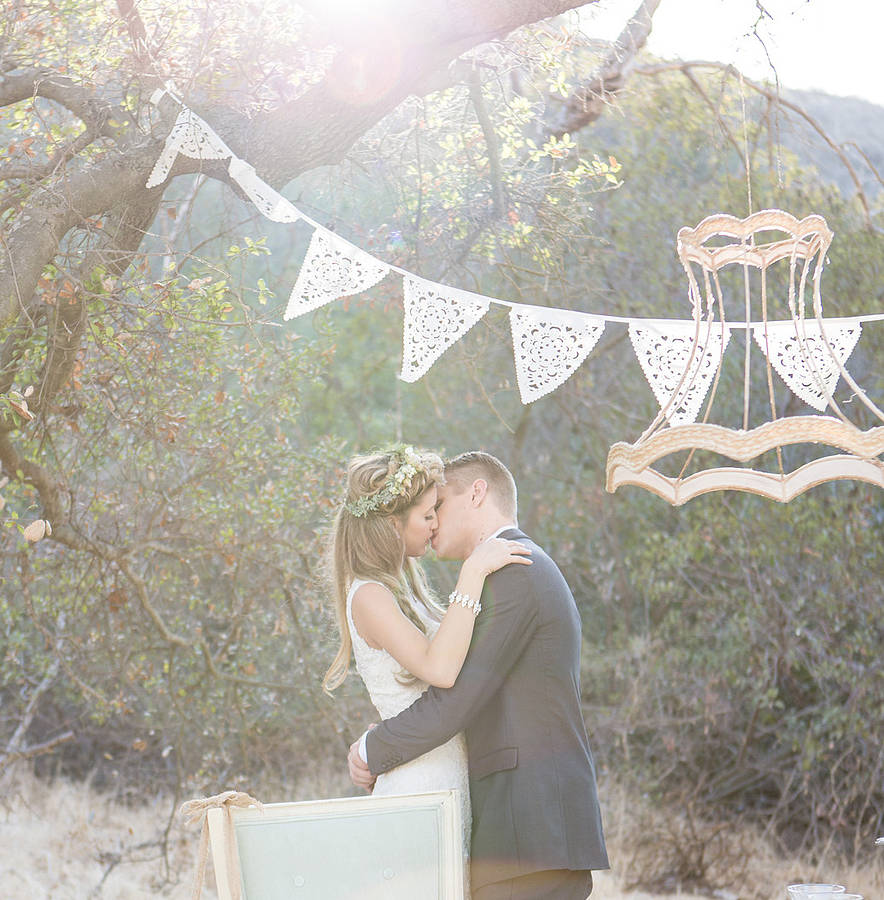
x=365, y=544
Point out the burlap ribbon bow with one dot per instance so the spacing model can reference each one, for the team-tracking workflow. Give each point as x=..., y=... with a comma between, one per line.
x=194, y=812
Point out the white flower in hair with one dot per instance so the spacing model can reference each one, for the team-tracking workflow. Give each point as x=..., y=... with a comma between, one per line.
x=396, y=485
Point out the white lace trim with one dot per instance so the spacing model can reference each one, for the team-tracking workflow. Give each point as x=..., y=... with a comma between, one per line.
x=799, y=355
x=436, y=316
x=192, y=137
x=548, y=347
x=285, y=211
x=271, y=204
x=666, y=351
x=332, y=268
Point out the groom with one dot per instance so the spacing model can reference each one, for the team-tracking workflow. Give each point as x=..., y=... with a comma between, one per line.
x=537, y=830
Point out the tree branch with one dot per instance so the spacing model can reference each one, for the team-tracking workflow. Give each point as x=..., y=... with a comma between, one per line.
x=496, y=177
x=94, y=112
x=775, y=97
x=15, y=748
x=383, y=61
x=35, y=475
x=868, y=162
x=317, y=128
x=715, y=111
x=33, y=240
x=36, y=750
x=143, y=52
x=589, y=103
x=61, y=156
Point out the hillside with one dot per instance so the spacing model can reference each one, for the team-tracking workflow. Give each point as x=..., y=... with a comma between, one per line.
x=851, y=123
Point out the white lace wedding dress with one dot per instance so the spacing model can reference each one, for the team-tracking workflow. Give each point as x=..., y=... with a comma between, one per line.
x=442, y=768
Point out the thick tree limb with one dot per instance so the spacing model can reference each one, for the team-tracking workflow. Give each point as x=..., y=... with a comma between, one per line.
x=92, y=110
x=35, y=475
x=33, y=240
x=121, y=238
x=315, y=129
x=382, y=61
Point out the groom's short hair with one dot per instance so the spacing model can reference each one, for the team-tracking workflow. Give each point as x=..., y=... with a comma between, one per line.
x=461, y=471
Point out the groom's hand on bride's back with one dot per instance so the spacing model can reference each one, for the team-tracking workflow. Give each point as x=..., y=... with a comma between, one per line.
x=360, y=774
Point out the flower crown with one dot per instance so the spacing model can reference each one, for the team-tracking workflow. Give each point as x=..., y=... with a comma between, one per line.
x=397, y=484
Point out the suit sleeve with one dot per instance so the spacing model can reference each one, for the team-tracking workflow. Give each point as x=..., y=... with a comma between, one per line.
x=505, y=626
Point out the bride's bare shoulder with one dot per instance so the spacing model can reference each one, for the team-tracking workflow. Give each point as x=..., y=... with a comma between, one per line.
x=370, y=602
x=370, y=593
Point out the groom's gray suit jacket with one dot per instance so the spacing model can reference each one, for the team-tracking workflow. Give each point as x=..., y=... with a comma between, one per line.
x=532, y=776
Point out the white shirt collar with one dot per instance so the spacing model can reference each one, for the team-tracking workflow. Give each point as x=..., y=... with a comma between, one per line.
x=501, y=530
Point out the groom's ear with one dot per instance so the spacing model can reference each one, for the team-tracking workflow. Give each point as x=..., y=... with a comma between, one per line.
x=479, y=492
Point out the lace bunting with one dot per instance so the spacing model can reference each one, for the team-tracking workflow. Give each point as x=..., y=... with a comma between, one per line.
x=332, y=269
x=549, y=344
x=436, y=316
x=271, y=204
x=664, y=350
x=804, y=362
x=548, y=347
x=192, y=137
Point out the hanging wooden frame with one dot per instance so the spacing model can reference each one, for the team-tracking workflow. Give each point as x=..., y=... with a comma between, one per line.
x=804, y=246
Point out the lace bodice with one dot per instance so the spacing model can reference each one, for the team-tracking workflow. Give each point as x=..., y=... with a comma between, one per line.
x=379, y=670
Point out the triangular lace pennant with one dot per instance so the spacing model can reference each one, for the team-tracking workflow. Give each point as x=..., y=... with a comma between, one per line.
x=548, y=347
x=436, y=317
x=332, y=269
x=270, y=203
x=664, y=350
x=192, y=137
x=804, y=362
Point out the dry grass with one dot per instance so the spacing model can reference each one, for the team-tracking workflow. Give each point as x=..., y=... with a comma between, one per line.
x=68, y=842
x=672, y=851
x=65, y=841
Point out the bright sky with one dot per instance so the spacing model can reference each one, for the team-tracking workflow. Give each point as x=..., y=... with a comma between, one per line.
x=831, y=45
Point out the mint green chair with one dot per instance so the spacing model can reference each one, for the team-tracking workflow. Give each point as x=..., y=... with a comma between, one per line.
x=390, y=848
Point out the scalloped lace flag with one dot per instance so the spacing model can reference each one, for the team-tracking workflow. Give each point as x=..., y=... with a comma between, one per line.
x=332, y=269
x=271, y=204
x=436, y=317
x=811, y=372
x=548, y=347
x=664, y=351
x=192, y=137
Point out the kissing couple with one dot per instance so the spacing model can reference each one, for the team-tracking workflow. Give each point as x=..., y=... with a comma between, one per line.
x=481, y=694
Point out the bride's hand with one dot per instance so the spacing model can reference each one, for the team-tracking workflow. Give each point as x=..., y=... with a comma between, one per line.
x=495, y=553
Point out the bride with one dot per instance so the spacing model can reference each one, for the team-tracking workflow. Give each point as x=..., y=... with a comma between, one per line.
x=402, y=639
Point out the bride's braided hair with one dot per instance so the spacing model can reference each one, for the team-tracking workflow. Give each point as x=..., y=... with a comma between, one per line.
x=365, y=544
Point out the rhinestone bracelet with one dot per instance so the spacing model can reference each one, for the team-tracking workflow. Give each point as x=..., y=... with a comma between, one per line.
x=465, y=600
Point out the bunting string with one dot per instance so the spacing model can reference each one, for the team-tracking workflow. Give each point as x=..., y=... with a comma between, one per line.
x=679, y=357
